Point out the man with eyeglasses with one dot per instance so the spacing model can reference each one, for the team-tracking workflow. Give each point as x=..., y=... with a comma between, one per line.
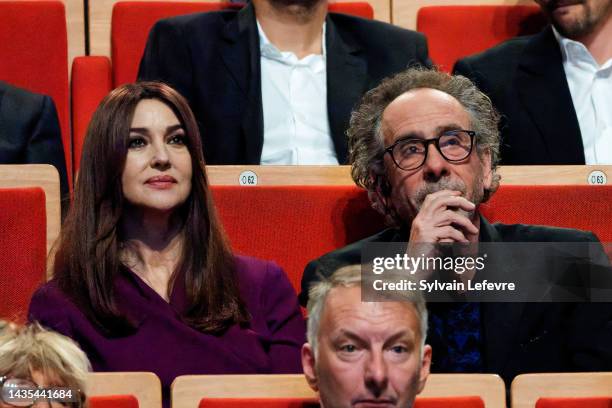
x=425, y=145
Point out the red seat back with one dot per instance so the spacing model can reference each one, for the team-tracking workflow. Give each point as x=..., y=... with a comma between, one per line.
x=454, y=32
x=130, y=26
x=113, y=401
x=361, y=9
x=258, y=403
x=34, y=55
x=295, y=224
x=580, y=207
x=581, y=402
x=449, y=402
x=132, y=21
x=23, y=239
x=429, y=402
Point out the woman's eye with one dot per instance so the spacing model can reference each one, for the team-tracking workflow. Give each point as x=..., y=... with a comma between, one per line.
x=177, y=139
x=136, y=142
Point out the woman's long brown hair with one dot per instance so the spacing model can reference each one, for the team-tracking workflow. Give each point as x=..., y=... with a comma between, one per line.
x=88, y=256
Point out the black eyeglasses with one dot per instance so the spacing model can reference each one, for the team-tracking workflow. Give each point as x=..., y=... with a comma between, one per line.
x=410, y=153
x=19, y=392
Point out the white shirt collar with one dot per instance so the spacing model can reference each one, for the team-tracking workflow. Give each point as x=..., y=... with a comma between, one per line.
x=575, y=52
x=269, y=50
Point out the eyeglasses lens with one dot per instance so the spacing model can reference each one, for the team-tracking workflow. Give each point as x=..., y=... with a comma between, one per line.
x=411, y=153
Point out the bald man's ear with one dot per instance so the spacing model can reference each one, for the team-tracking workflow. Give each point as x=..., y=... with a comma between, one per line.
x=425, y=367
x=308, y=364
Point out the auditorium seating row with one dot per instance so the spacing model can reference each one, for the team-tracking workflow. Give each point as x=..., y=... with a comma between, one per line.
x=278, y=219
x=37, y=58
x=142, y=390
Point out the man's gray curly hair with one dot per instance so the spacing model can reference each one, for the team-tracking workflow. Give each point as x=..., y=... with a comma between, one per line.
x=365, y=139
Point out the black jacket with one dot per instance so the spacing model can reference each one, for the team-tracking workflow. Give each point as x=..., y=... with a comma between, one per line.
x=30, y=131
x=517, y=337
x=213, y=59
x=526, y=82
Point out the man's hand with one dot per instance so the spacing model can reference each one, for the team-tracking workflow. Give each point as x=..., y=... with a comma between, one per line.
x=442, y=218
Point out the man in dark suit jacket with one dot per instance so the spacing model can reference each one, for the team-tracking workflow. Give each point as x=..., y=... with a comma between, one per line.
x=213, y=59
x=528, y=83
x=427, y=169
x=29, y=131
x=515, y=338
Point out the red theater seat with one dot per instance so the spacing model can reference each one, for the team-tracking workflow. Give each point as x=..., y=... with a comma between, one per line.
x=580, y=207
x=94, y=77
x=34, y=55
x=24, y=249
x=562, y=390
x=259, y=403
x=454, y=32
x=295, y=224
x=113, y=401
x=449, y=402
x=583, y=402
x=358, y=8
x=292, y=390
x=124, y=390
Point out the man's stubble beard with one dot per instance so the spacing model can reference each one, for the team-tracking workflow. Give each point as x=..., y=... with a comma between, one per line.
x=585, y=23
x=409, y=208
x=300, y=8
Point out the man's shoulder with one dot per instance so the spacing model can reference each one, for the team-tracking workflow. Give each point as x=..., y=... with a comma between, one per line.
x=20, y=108
x=348, y=255
x=327, y=264
x=541, y=233
x=494, y=69
x=373, y=30
x=509, y=49
x=202, y=21
x=20, y=96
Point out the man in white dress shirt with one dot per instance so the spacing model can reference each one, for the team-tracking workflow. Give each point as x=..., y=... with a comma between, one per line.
x=275, y=82
x=554, y=88
x=294, y=82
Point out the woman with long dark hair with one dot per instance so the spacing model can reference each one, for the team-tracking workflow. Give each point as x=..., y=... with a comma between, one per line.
x=144, y=279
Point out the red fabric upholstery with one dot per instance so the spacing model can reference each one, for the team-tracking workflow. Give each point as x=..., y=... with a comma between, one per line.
x=454, y=32
x=582, y=207
x=113, y=401
x=34, y=55
x=258, y=403
x=23, y=239
x=130, y=26
x=360, y=9
x=449, y=402
x=295, y=224
x=292, y=225
x=91, y=81
x=584, y=402
x=440, y=402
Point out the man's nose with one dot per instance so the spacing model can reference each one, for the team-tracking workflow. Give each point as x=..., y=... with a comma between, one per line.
x=435, y=166
x=376, y=375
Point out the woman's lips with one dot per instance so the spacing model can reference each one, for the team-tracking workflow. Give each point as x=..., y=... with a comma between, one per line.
x=161, y=182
